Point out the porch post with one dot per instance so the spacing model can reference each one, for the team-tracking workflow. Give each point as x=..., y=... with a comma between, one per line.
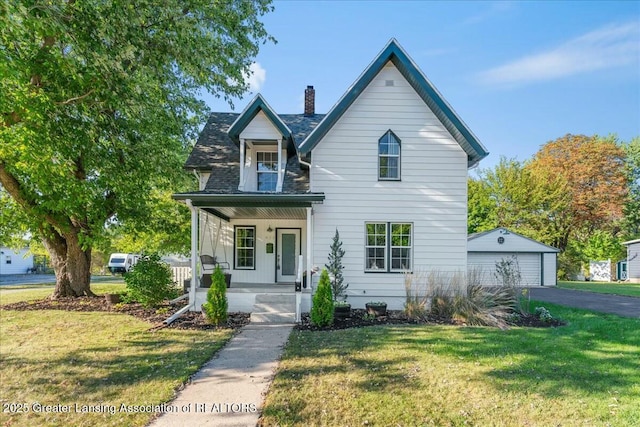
x=280, y=166
x=242, y=150
x=309, y=246
x=194, y=255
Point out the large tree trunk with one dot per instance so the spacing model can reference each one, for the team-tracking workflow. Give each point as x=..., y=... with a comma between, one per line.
x=71, y=264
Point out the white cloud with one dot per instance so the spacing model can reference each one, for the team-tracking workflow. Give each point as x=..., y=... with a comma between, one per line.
x=256, y=77
x=608, y=47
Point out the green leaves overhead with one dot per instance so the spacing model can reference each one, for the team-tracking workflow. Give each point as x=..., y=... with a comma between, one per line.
x=99, y=101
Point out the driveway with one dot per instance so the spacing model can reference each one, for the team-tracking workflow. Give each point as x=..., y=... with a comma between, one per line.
x=26, y=279
x=604, y=303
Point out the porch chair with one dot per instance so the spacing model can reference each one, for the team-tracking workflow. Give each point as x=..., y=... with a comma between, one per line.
x=209, y=264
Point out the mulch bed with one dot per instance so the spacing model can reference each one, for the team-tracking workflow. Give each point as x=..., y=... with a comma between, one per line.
x=155, y=316
x=359, y=318
x=195, y=320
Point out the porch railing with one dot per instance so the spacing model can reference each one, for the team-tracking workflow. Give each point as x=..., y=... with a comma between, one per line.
x=180, y=274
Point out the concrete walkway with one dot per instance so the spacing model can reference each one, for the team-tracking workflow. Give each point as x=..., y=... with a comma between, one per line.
x=229, y=389
x=604, y=303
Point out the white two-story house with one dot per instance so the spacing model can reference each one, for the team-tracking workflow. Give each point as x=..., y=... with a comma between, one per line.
x=386, y=166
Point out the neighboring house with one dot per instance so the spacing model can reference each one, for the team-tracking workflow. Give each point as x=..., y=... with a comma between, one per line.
x=633, y=260
x=386, y=166
x=15, y=262
x=536, y=261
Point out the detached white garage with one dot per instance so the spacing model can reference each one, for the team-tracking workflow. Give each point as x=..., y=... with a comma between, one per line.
x=633, y=260
x=537, y=261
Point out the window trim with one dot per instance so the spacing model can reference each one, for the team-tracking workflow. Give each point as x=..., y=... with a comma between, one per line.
x=274, y=172
x=367, y=247
x=388, y=248
x=387, y=134
x=236, y=247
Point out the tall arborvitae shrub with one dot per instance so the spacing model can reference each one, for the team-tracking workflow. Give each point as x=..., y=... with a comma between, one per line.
x=216, y=306
x=322, y=308
x=335, y=268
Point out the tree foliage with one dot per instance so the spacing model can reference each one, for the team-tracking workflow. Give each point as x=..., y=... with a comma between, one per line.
x=98, y=102
x=579, y=193
x=631, y=209
x=593, y=168
x=481, y=213
x=511, y=195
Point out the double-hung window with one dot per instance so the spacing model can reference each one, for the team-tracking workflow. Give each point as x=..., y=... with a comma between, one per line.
x=267, y=170
x=389, y=157
x=388, y=246
x=245, y=248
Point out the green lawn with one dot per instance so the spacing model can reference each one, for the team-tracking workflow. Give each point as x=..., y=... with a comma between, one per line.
x=92, y=359
x=11, y=294
x=586, y=373
x=629, y=289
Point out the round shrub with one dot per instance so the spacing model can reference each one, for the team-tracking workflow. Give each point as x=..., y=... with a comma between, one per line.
x=150, y=282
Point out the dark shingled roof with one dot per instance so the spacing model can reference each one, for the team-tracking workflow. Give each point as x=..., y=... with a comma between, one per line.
x=215, y=152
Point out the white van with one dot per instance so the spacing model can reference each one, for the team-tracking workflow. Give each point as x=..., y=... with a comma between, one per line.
x=122, y=263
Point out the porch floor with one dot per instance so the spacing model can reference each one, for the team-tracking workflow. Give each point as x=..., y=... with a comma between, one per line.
x=261, y=288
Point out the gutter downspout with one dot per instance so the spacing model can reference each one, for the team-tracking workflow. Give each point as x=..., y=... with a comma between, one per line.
x=302, y=162
x=177, y=314
x=194, y=256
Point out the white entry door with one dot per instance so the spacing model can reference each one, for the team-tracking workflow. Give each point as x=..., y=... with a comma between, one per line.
x=287, y=257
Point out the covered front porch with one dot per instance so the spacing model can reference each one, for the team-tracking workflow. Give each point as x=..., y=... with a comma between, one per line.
x=263, y=241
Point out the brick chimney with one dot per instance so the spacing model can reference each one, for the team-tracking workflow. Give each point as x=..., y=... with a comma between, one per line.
x=309, y=101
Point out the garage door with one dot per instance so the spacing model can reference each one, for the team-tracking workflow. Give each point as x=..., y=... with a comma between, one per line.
x=485, y=262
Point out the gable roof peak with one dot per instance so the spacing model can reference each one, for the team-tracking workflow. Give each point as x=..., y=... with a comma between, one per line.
x=257, y=104
x=394, y=52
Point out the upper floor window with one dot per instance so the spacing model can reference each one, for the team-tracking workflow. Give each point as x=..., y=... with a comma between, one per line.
x=389, y=157
x=267, y=170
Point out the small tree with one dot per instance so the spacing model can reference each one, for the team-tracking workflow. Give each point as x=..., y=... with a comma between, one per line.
x=508, y=271
x=322, y=309
x=216, y=306
x=150, y=281
x=335, y=268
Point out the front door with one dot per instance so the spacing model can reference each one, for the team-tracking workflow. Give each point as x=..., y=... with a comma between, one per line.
x=287, y=257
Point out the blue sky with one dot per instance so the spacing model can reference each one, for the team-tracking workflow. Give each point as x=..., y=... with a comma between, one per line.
x=518, y=73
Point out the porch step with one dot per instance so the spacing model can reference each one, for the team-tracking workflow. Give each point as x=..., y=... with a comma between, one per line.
x=274, y=308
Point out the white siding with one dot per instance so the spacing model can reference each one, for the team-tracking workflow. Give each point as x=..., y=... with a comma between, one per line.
x=633, y=262
x=260, y=128
x=550, y=269
x=14, y=262
x=530, y=268
x=221, y=244
x=432, y=193
x=203, y=178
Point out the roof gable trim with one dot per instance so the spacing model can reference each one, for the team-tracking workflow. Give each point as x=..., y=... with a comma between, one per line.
x=393, y=52
x=250, y=112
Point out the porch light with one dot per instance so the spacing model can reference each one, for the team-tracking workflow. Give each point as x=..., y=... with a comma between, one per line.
x=269, y=230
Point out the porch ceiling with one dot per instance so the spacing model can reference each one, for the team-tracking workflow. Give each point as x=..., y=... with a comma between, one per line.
x=254, y=205
x=227, y=213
